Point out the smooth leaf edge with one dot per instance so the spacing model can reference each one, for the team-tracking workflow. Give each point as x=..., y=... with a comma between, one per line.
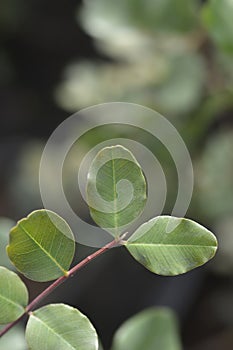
x=25, y=290
x=129, y=243
x=19, y=222
x=32, y=314
x=134, y=160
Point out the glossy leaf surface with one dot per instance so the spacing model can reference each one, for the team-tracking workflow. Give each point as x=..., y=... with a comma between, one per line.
x=13, y=296
x=59, y=326
x=41, y=246
x=171, y=246
x=116, y=189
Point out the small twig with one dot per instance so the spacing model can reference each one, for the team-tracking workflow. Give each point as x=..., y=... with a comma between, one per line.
x=60, y=280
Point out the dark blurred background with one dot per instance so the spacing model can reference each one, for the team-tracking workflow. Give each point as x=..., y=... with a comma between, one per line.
x=175, y=56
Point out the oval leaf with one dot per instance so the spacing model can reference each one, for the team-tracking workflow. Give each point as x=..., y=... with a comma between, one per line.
x=171, y=246
x=13, y=296
x=154, y=328
x=116, y=189
x=41, y=246
x=59, y=326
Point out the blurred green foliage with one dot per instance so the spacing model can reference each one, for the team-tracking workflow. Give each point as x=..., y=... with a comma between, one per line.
x=214, y=176
x=217, y=16
x=168, y=55
x=5, y=226
x=153, y=328
x=144, y=15
x=175, y=56
x=215, y=194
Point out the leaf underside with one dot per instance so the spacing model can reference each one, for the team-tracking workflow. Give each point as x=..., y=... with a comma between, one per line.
x=13, y=296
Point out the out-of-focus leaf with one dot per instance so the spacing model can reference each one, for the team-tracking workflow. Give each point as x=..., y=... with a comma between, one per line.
x=152, y=329
x=13, y=296
x=182, y=88
x=225, y=61
x=102, y=18
x=214, y=176
x=5, y=226
x=59, y=326
x=90, y=83
x=217, y=16
x=131, y=30
x=171, y=246
x=13, y=339
x=116, y=189
x=174, y=84
x=41, y=246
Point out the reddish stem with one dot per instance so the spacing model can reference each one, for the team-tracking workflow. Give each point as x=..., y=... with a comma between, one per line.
x=59, y=281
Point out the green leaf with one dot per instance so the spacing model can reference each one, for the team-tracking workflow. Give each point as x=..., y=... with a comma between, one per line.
x=59, y=326
x=216, y=202
x=217, y=16
x=151, y=78
x=13, y=339
x=13, y=296
x=5, y=226
x=171, y=246
x=151, y=329
x=190, y=71
x=105, y=18
x=116, y=189
x=41, y=246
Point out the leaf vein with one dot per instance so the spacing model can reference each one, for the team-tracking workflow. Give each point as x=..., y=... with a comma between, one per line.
x=42, y=248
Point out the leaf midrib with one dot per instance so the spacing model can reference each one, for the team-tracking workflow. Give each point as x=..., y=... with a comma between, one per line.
x=171, y=245
x=41, y=247
x=53, y=331
x=114, y=195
